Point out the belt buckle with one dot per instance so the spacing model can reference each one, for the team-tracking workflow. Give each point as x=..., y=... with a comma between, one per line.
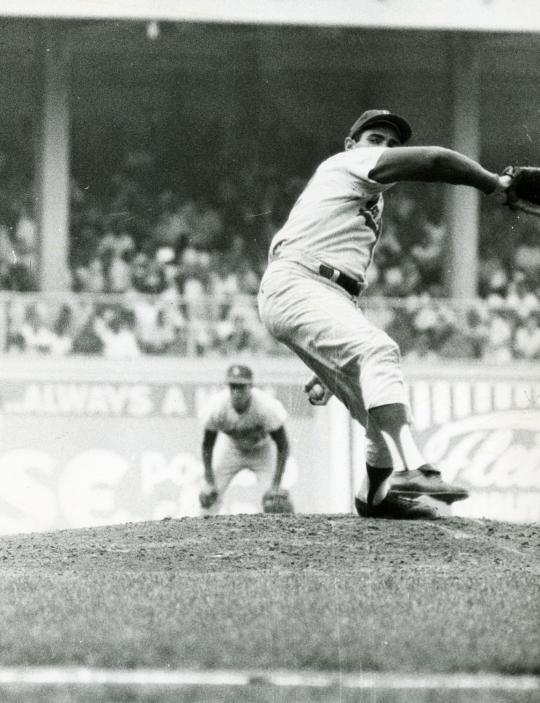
x=346, y=282
x=329, y=272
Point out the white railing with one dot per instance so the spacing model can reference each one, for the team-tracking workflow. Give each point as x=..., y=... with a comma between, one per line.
x=133, y=324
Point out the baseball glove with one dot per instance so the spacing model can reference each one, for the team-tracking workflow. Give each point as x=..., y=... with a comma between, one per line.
x=523, y=193
x=277, y=500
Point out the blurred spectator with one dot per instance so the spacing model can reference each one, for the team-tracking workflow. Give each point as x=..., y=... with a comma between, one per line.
x=147, y=276
x=116, y=239
x=498, y=345
x=520, y=298
x=201, y=339
x=193, y=274
x=493, y=279
x=527, y=338
x=115, y=330
x=117, y=271
x=425, y=319
x=411, y=278
x=174, y=332
x=17, y=277
x=176, y=221
x=186, y=269
x=429, y=251
x=171, y=334
x=527, y=253
x=392, y=282
x=208, y=232
x=62, y=341
x=405, y=214
x=422, y=350
x=400, y=326
x=454, y=343
x=90, y=278
x=476, y=329
x=241, y=338
x=84, y=243
x=26, y=236
x=192, y=283
x=7, y=252
x=234, y=334
x=36, y=335
x=15, y=317
x=233, y=273
x=87, y=341
x=145, y=313
x=18, y=246
x=388, y=250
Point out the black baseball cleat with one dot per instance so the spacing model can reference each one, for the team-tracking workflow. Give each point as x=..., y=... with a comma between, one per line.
x=425, y=481
x=396, y=508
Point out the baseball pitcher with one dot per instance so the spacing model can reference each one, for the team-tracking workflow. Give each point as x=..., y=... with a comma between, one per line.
x=308, y=297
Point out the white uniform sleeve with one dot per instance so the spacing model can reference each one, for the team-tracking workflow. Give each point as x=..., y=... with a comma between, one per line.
x=361, y=161
x=274, y=415
x=212, y=414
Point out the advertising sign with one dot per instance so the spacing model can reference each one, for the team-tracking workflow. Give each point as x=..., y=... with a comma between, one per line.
x=91, y=442
x=87, y=452
x=484, y=433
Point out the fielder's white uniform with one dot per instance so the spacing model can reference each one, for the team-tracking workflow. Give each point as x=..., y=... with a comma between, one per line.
x=336, y=221
x=243, y=441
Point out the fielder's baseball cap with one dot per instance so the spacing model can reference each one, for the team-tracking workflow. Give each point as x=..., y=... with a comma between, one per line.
x=373, y=117
x=239, y=374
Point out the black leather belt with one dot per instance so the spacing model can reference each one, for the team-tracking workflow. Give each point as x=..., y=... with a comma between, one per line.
x=349, y=284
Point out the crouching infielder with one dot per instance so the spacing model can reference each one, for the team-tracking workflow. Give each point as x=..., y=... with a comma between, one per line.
x=247, y=420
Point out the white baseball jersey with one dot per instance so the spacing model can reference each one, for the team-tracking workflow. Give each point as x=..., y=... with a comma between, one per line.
x=338, y=217
x=248, y=430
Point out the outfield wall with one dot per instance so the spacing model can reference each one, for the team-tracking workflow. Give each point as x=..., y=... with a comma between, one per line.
x=85, y=441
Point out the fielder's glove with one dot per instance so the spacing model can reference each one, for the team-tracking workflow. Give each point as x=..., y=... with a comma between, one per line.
x=208, y=496
x=523, y=193
x=277, y=500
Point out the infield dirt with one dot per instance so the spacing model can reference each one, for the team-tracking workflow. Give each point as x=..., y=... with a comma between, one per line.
x=315, y=592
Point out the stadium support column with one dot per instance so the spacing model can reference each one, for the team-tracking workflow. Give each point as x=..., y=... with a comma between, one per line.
x=464, y=202
x=52, y=156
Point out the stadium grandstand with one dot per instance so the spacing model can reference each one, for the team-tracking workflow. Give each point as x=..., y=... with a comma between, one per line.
x=147, y=160
x=149, y=152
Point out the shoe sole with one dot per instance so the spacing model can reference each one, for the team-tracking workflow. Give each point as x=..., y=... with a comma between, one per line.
x=447, y=497
x=425, y=516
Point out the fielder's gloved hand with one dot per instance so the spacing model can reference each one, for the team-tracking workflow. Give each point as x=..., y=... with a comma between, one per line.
x=317, y=392
x=277, y=500
x=208, y=496
x=523, y=191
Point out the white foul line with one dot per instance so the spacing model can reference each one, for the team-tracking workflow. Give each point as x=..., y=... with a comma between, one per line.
x=86, y=676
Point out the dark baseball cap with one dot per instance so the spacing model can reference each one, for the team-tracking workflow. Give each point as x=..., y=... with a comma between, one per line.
x=239, y=374
x=373, y=117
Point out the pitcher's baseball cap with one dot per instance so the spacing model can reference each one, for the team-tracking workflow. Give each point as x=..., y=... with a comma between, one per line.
x=239, y=375
x=373, y=117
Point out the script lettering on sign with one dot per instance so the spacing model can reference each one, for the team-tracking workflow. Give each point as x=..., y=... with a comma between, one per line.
x=486, y=436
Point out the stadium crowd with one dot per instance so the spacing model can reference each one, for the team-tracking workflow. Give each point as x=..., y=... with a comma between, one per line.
x=175, y=270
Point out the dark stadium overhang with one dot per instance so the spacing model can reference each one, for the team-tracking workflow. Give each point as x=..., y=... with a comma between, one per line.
x=458, y=15
x=65, y=49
